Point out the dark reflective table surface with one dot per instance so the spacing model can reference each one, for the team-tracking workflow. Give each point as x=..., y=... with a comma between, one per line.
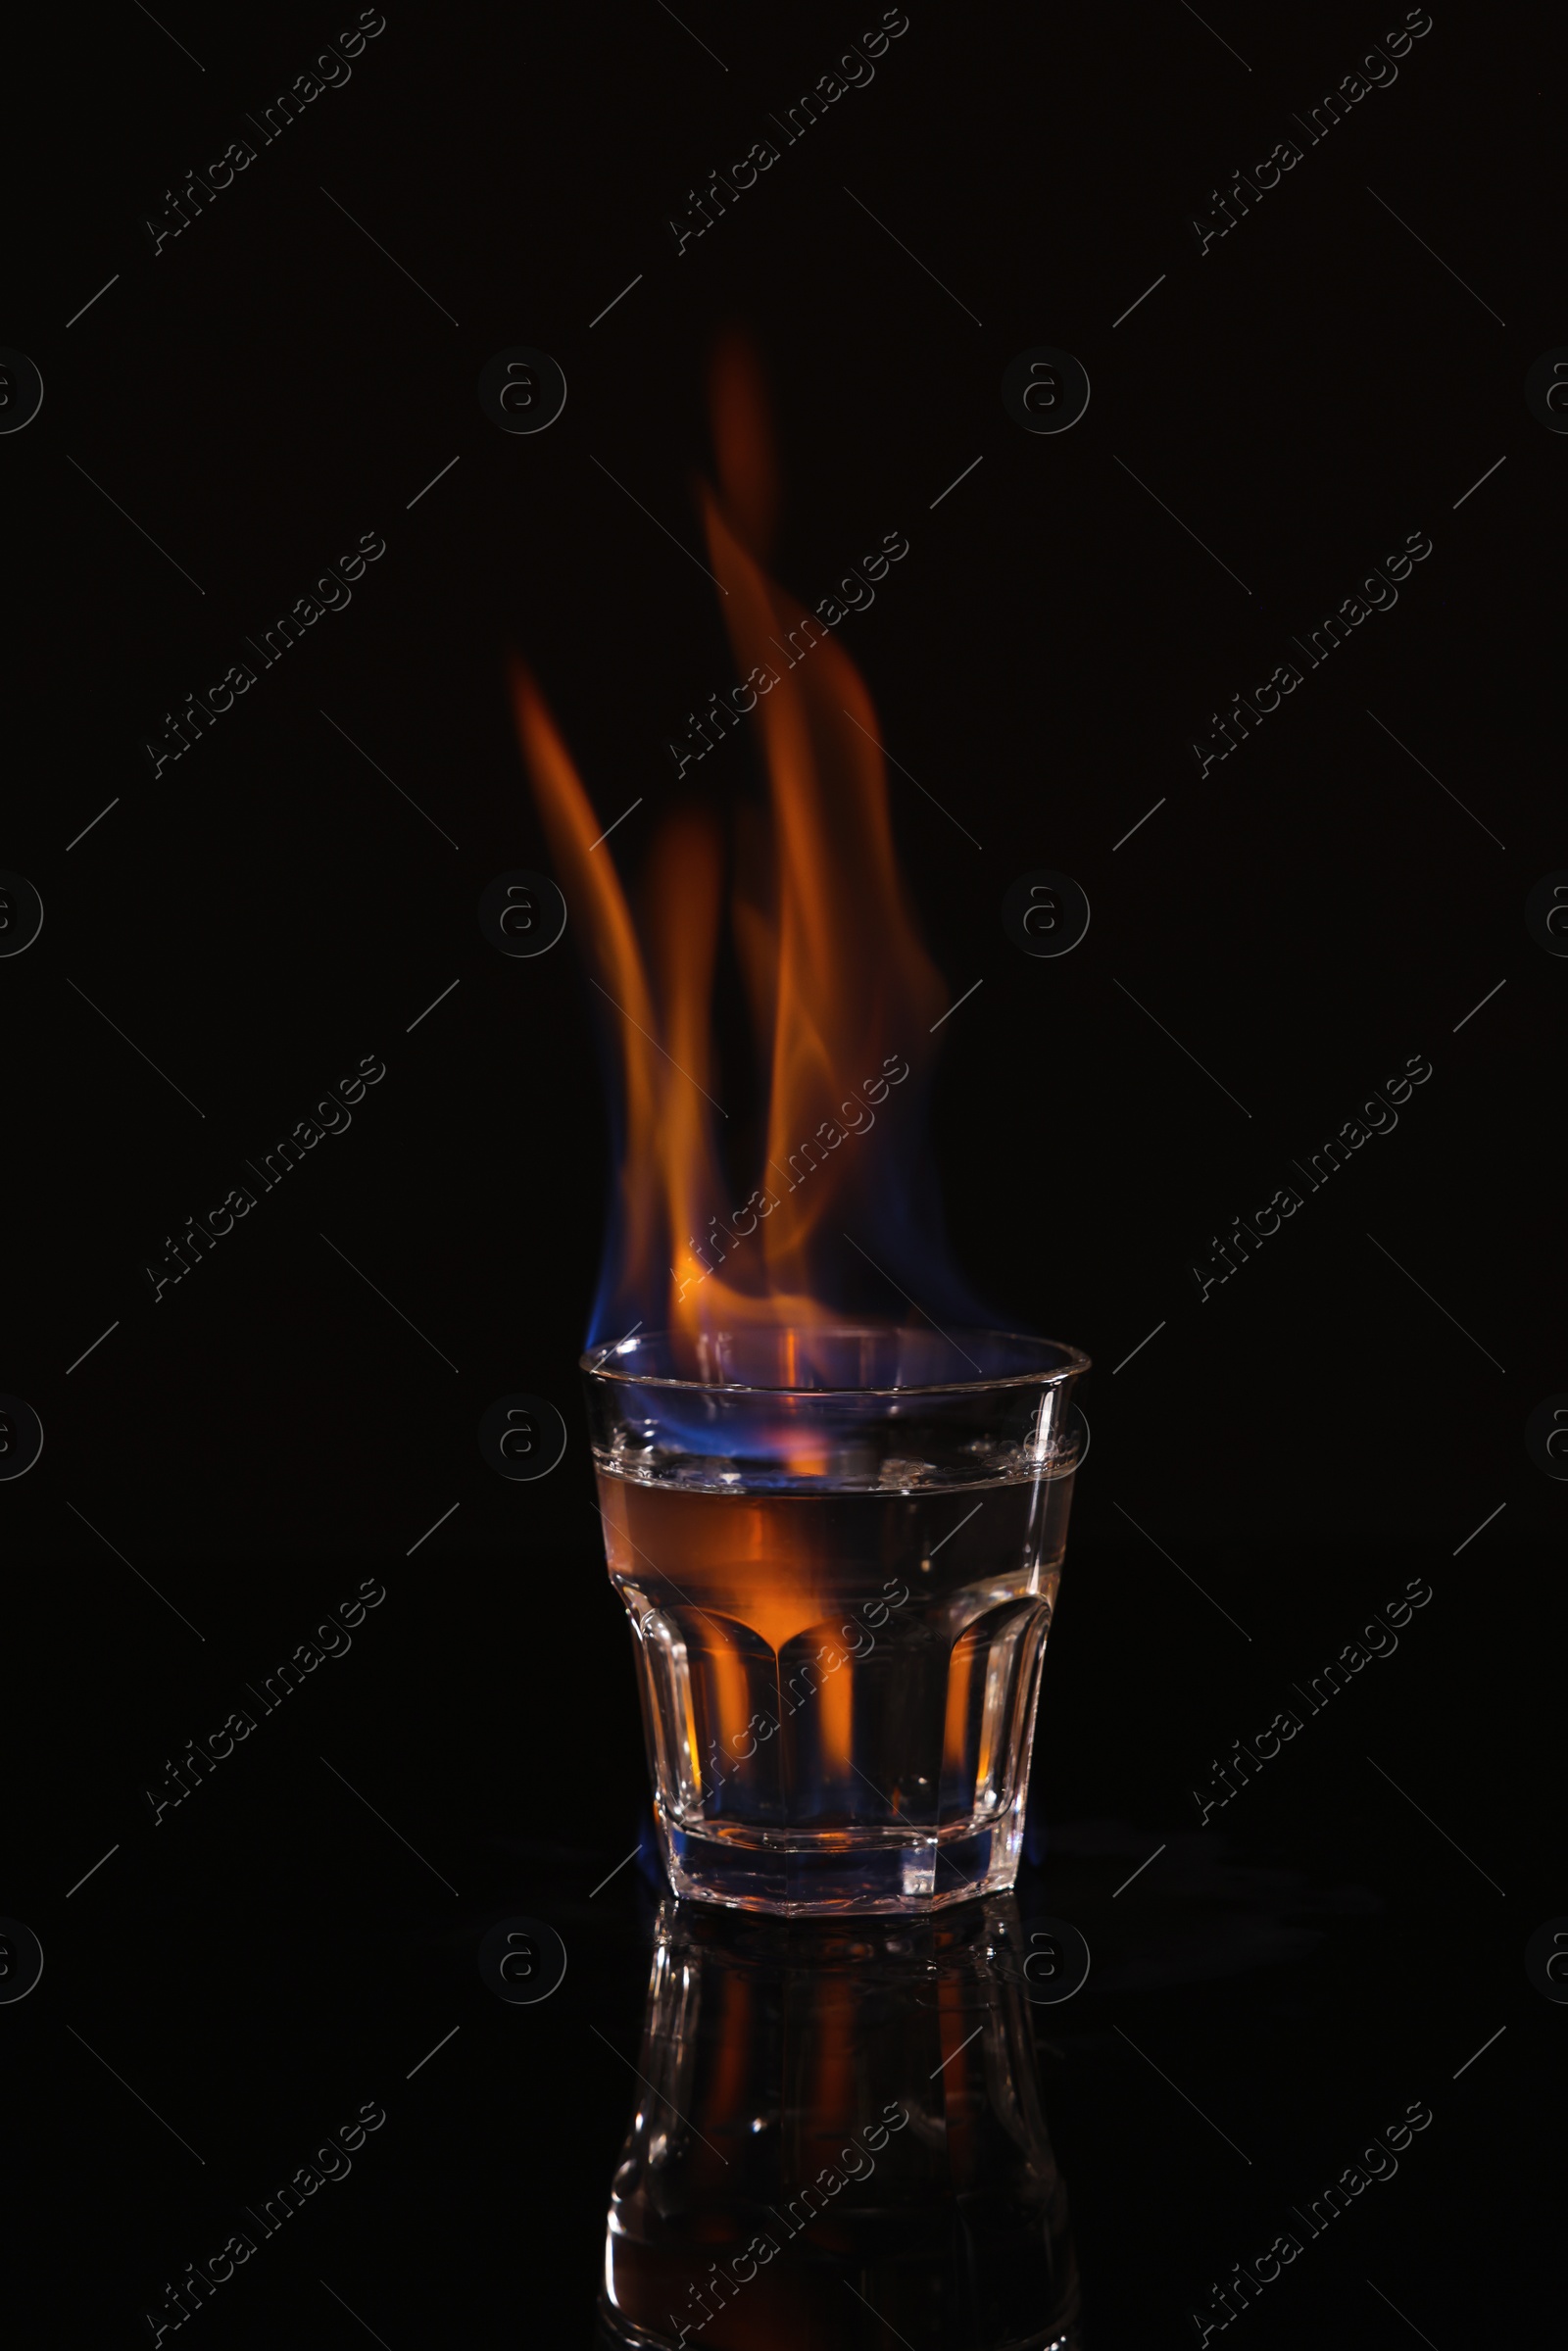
x=1306, y=2092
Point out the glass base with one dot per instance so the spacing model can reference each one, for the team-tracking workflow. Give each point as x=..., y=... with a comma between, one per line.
x=864, y=1870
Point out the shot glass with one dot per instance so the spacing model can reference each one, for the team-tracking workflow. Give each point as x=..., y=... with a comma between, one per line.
x=840, y=1554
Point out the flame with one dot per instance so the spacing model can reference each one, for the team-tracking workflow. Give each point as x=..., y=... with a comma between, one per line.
x=841, y=990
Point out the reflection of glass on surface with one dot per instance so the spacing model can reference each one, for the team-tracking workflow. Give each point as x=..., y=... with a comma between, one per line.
x=841, y=1597
x=838, y=2143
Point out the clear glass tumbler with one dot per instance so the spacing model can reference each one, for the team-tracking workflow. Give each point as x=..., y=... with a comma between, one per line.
x=840, y=1554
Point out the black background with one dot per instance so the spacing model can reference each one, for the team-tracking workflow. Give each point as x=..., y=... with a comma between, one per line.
x=268, y=909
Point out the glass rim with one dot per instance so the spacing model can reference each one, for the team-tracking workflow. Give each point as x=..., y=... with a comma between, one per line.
x=596, y=1364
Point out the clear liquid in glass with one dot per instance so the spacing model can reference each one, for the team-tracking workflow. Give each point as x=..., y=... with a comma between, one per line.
x=839, y=1688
